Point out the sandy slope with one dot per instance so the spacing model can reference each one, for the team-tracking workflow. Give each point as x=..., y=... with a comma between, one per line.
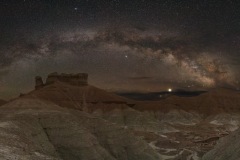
x=36, y=129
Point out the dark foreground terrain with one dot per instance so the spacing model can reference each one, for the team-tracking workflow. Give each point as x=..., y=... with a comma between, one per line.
x=62, y=120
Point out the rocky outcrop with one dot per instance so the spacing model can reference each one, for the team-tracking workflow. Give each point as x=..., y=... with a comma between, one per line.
x=80, y=79
x=227, y=148
x=38, y=82
x=70, y=96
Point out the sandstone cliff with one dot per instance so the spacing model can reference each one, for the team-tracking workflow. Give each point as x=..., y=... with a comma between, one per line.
x=80, y=79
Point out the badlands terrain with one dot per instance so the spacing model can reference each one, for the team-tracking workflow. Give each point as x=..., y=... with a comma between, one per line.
x=66, y=118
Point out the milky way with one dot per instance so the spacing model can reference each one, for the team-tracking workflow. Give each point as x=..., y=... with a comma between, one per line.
x=124, y=46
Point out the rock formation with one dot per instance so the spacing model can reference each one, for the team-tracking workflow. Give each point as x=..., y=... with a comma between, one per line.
x=80, y=79
x=228, y=148
x=38, y=82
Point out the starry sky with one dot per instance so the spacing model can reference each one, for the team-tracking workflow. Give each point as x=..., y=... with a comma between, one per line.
x=125, y=46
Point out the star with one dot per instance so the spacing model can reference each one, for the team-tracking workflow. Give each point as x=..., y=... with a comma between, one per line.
x=168, y=44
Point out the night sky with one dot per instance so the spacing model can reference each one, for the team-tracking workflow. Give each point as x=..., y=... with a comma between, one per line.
x=125, y=46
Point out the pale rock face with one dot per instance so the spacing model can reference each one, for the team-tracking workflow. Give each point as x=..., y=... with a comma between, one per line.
x=180, y=117
x=136, y=120
x=229, y=121
x=228, y=148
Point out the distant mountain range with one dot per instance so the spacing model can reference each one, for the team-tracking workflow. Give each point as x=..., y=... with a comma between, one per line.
x=155, y=96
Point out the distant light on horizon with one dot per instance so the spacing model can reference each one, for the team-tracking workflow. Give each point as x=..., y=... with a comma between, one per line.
x=169, y=89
